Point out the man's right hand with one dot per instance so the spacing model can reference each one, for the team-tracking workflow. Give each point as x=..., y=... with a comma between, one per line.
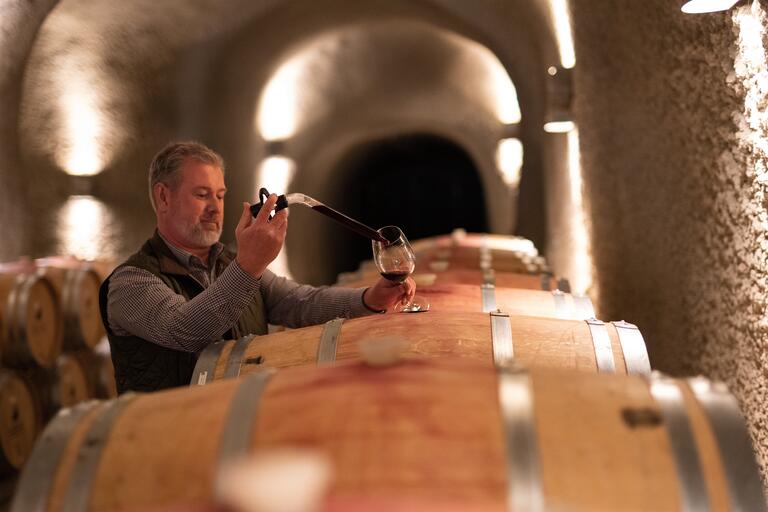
x=260, y=239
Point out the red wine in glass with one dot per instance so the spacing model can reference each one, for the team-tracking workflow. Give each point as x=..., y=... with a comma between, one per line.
x=395, y=261
x=395, y=277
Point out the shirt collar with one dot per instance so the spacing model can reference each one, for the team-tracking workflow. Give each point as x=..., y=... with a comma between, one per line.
x=188, y=259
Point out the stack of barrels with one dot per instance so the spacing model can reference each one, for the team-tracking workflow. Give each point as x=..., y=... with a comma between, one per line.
x=50, y=329
x=506, y=395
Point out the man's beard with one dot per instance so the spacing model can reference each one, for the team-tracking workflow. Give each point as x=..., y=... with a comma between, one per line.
x=200, y=236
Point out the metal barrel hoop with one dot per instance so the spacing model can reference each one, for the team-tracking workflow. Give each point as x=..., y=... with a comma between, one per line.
x=206, y=363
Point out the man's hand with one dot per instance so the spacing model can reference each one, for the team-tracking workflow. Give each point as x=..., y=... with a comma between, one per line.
x=385, y=294
x=259, y=239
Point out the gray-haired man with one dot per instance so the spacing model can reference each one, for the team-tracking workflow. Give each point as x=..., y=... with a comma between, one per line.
x=183, y=289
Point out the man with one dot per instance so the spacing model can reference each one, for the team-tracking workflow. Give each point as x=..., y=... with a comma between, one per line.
x=183, y=290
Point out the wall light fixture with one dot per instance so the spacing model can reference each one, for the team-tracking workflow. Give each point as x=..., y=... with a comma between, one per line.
x=703, y=6
x=558, y=117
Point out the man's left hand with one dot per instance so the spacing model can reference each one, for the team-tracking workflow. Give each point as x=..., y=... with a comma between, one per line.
x=385, y=294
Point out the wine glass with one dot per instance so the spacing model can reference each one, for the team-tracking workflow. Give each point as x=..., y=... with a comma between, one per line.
x=395, y=261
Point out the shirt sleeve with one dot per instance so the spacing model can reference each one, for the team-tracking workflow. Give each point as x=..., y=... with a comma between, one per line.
x=294, y=305
x=141, y=304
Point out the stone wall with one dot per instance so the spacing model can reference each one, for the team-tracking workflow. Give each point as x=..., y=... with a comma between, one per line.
x=674, y=154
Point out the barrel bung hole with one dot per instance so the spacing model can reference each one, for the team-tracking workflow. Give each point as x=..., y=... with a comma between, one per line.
x=255, y=360
x=640, y=417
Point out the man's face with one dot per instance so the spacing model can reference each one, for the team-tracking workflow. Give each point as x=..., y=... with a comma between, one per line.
x=196, y=205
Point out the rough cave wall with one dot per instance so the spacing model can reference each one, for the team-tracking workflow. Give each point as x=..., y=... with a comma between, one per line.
x=19, y=23
x=674, y=156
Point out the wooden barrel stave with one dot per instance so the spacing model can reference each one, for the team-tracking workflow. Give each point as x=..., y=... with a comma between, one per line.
x=65, y=385
x=422, y=429
x=31, y=317
x=458, y=297
x=77, y=286
x=535, y=341
x=20, y=421
x=545, y=282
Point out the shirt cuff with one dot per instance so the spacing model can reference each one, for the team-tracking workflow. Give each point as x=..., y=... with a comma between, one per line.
x=242, y=279
x=365, y=309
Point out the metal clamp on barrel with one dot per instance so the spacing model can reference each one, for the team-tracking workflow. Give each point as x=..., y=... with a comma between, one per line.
x=582, y=306
x=206, y=364
x=235, y=360
x=733, y=444
x=488, y=296
x=546, y=281
x=669, y=397
x=501, y=338
x=561, y=305
x=236, y=435
x=486, y=257
x=525, y=491
x=633, y=347
x=38, y=474
x=329, y=340
x=602, y=343
x=79, y=491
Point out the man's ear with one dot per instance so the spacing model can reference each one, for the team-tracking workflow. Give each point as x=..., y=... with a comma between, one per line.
x=162, y=195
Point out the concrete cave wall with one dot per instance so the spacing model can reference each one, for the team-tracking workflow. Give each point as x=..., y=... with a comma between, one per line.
x=671, y=110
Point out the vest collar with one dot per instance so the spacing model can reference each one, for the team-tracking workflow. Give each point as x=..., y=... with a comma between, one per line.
x=169, y=263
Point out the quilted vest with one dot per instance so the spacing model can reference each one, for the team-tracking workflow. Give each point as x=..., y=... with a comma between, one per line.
x=141, y=365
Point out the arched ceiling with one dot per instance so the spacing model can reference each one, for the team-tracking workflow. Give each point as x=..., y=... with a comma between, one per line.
x=121, y=78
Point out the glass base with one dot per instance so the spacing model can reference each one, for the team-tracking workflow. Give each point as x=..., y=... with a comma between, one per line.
x=418, y=305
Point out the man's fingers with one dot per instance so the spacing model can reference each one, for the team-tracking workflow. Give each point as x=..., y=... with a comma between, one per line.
x=269, y=205
x=245, y=218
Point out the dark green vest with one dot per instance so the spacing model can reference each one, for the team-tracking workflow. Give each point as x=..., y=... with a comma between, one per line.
x=141, y=365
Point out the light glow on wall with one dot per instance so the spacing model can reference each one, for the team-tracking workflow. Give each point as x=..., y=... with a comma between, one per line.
x=503, y=90
x=278, y=112
x=509, y=161
x=275, y=174
x=751, y=68
x=561, y=21
x=580, y=273
x=81, y=131
x=308, y=81
x=84, y=228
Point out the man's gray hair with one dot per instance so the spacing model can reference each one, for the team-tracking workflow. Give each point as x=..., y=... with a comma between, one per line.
x=166, y=164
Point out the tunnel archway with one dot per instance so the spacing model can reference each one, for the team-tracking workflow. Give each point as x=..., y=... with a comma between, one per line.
x=424, y=183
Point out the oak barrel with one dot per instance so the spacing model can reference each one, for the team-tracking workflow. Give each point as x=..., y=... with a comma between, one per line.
x=493, y=338
x=544, y=281
x=63, y=386
x=442, y=429
x=100, y=372
x=77, y=286
x=486, y=298
x=31, y=319
x=460, y=238
x=20, y=421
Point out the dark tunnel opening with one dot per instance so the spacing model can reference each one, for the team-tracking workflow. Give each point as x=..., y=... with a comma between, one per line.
x=425, y=184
